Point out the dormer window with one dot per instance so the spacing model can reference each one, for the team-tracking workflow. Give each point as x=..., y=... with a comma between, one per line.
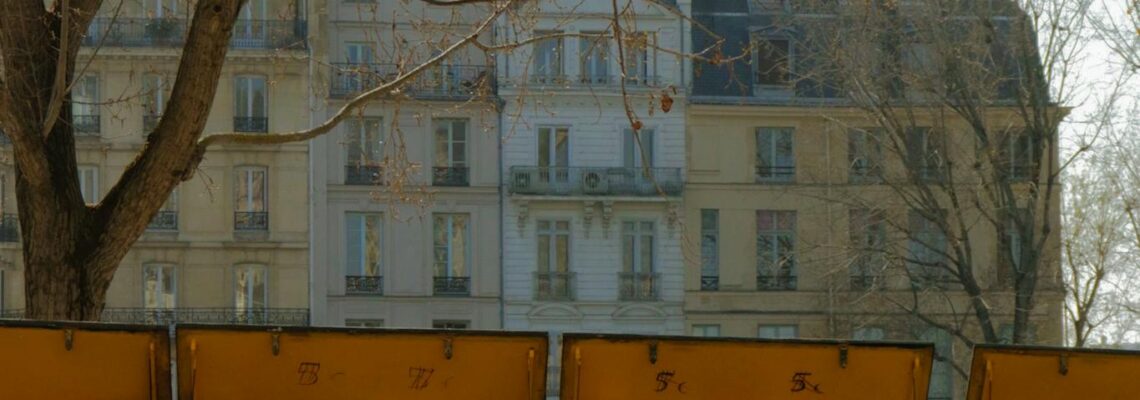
x=772, y=62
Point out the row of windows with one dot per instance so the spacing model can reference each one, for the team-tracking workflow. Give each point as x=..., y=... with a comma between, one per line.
x=379, y=323
x=927, y=252
x=365, y=156
x=250, y=286
x=452, y=260
x=925, y=155
x=597, y=63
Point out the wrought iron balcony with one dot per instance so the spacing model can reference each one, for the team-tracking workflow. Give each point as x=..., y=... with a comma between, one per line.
x=164, y=221
x=638, y=286
x=150, y=122
x=710, y=283
x=449, y=176
x=251, y=124
x=446, y=82
x=363, y=175
x=600, y=81
x=171, y=32
x=85, y=125
x=166, y=316
x=452, y=286
x=365, y=285
x=770, y=173
x=251, y=221
x=10, y=228
x=595, y=181
x=770, y=283
x=554, y=286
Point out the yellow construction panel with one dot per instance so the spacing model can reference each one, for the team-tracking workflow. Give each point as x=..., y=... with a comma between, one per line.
x=319, y=363
x=83, y=361
x=617, y=367
x=1014, y=373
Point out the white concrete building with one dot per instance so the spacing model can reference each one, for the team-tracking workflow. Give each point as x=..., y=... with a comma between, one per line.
x=592, y=241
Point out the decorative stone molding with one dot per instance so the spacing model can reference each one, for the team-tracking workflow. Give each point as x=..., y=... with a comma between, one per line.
x=587, y=215
x=607, y=217
x=523, y=212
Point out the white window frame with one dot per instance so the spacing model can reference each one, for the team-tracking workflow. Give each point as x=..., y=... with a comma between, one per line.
x=156, y=88
x=359, y=53
x=450, y=125
x=632, y=155
x=361, y=219
x=357, y=132
x=865, y=155
x=85, y=95
x=757, y=38
x=91, y=195
x=774, y=237
x=594, y=59
x=768, y=141
x=164, y=272
x=254, y=269
x=247, y=84
x=245, y=176
x=704, y=330
x=449, y=268
x=639, y=233
x=552, y=131
x=550, y=234
x=641, y=61
x=710, y=253
x=549, y=66
x=779, y=331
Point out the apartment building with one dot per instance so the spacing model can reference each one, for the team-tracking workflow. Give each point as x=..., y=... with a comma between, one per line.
x=591, y=222
x=405, y=193
x=793, y=230
x=231, y=245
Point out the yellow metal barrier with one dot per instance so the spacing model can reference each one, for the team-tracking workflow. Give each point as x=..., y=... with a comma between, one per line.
x=1038, y=373
x=620, y=367
x=313, y=363
x=83, y=361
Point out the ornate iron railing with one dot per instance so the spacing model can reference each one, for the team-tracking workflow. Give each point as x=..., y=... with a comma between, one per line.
x=638, y=286
x=710, y=283
x=363, y=175
x=367, y=285
x=445, y=82
x=85, y=125
x=554, y=286
x=449, y=176
x=171, y=32
x=164, y=316
x=251, y=124
x=596, y=181
x=767, y=173
x=164, y=221
x=251, y=221
x=559, y=81
x=452, y=286
x=10, y=228
x=775, y=283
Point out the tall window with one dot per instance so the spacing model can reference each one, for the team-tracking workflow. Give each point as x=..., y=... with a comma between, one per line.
x=250, y=104
x=773, y=61
x=89, y=183
x=869, y=333
x=706, y=330
x=775, y=160
x=452, y=250
x=638, y=152
x=1021, y=155
x=363, y=252
x=358, y=53
x=450, y=153
x=775, y=250
x=156, y=91
x=638, y=257
x=865, y=155
x=869, y=245
x=85, y=104
x=926, y=248
x=638, y=58
x=925, y=154
x=553, y=277
x=594, y=56
x=548, y=58
x=365, y=151
x=159, y=286
x=251, y=199
x=1011, y=245
x=710, y=249
x=161, y=8
x=250, y=25
x=778, y=332
x=553, y=154
x=250, y=287
x=941, y=374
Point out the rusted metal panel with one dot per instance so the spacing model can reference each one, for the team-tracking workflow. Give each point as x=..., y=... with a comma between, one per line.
x=1042, y=373
x=83, y=361
x=329, y=363
x=622, y=367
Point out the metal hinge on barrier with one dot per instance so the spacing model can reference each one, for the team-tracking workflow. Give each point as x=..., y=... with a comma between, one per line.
x=447, y=348
x=68, y=339
x=843, y=355
x=653, y=352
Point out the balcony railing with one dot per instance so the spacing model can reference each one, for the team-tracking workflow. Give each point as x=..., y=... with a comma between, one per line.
x=638, y=286
x=9, y=228
x=164, y=316
x=362, y=175
x=710, y=283
x=150, y=122
x=251, y=124
x=449, y=176
x=171, y=32
x=448, y=82
x=554, y=286
x=451, y=286
x=775, y=283
x=164, y=221
x=555, y=81
x=367, y=285
x=85, y=125
x=595, y=181
x=770, y=173
x=251, y=221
